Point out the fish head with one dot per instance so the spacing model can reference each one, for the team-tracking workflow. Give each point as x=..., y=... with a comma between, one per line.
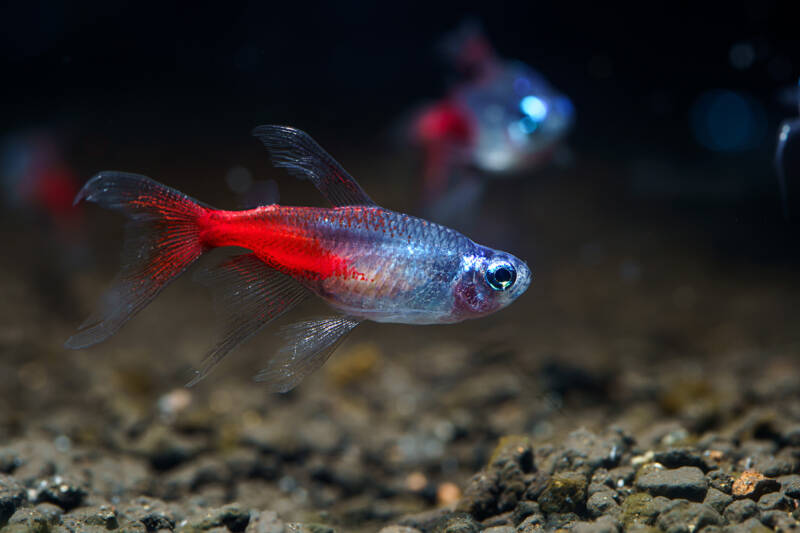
x=519, y=119
x=538, y=118
x=488, y=280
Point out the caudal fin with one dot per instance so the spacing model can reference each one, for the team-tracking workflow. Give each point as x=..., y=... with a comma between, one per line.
x=162, y=239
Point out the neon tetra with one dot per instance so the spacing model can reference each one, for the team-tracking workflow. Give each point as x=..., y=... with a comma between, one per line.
x=366, y=262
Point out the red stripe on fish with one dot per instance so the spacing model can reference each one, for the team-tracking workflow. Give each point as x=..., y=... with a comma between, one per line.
x=288, y=239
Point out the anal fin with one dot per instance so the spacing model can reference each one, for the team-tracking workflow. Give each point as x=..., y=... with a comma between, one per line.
x=309, y=344
x=250, y=294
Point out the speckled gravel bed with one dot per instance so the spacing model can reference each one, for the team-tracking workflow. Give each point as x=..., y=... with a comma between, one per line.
x=734, y=467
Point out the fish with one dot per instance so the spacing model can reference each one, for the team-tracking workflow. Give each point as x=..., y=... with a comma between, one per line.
x=366, y=262
x=37, y=181
x=37, y=186
x=502, y=119
x=787, y=151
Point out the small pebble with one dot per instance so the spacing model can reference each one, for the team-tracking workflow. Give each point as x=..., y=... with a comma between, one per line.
x=600, y=503
x=684, y=482
x=687, y=517
x=740, y=510
x=447, y=493
x=753, y=484
x=717, y=499
x=774, y=501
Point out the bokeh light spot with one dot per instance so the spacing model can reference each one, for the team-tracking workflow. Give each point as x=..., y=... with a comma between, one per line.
x=727, y=121
x=534, y=107
x=742, y=56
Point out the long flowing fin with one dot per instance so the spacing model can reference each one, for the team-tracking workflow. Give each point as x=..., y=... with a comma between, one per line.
x=297, y=152
x=250, y=294
x=162, y=240
x=309, y=344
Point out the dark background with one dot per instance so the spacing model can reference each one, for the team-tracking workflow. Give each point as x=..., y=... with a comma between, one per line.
x=353, y=65
x=186, y=83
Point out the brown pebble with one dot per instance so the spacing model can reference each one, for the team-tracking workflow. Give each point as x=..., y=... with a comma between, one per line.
x=448, y=493
x=753, y=484
x=416, y=481
x=715, y=455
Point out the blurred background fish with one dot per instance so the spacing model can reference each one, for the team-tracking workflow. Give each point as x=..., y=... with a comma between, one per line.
x=38, y=183
x=787, y=150
x=501, y=118
x=38, y=186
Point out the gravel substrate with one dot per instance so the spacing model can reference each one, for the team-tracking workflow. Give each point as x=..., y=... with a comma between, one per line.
x=736, y=468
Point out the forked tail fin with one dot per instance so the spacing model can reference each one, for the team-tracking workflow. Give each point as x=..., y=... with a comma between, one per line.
x=162, y=239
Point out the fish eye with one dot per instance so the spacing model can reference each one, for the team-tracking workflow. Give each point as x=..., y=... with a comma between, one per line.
x=500, y=275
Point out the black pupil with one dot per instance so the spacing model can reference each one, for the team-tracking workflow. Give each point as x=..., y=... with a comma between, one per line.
x=502, y=275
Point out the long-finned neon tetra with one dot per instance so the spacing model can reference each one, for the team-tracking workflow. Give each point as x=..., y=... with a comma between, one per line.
x=366, y=262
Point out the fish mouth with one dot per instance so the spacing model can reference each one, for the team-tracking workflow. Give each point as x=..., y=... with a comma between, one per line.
x=524, y=278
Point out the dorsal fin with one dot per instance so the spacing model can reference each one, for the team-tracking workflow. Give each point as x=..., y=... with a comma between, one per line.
x=297, y=152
